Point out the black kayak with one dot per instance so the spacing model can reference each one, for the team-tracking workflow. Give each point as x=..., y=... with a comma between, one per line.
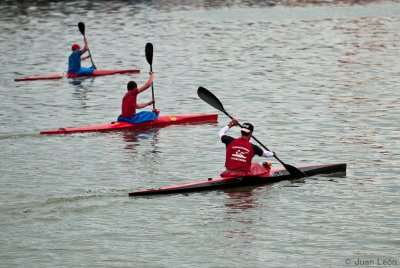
x=276, y=175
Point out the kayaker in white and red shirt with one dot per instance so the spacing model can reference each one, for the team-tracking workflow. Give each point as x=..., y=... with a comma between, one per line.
x=240, y=152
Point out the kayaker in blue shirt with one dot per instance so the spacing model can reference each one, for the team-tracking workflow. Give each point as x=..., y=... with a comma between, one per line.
x=74, y=60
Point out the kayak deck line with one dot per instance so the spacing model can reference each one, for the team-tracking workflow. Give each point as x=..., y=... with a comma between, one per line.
x=161, y=121
x=67, y=75
x=276, y=175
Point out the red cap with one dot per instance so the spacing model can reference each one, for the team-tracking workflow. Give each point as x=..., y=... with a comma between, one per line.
x=75, y=47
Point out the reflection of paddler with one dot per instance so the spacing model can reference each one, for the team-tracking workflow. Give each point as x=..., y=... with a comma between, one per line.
x=240, y=152
x=133, y=138
x=239, y=200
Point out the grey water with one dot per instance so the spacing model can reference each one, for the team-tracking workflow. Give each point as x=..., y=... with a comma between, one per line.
x=319, y=80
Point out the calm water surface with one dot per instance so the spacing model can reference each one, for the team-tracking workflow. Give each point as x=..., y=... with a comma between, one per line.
x=319, y=82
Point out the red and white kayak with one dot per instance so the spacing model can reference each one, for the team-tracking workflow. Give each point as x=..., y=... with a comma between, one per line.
x=67, y=75
x=224, y=183
x=161, y=121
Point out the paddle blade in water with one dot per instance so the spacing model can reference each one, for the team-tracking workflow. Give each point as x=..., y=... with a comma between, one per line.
x=149, y=53
x=81, y=27
x=294, y=171
x=210, y=98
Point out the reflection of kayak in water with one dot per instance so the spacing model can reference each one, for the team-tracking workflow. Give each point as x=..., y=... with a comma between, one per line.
x=67, y=75
x=230, y=182
x=133, y=136
x=161, y=121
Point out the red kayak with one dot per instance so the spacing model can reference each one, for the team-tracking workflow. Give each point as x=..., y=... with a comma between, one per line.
x=161, y=121
x=224, y=183
x=66, y=75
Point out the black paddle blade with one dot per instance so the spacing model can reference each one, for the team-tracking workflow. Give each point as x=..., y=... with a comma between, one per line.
x=81, y=27
x=149, y=53
x=294, y=171
x=210, y=98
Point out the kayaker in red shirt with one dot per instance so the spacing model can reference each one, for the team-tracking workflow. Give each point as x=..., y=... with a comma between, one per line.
x=240, y=152
x=130, y=103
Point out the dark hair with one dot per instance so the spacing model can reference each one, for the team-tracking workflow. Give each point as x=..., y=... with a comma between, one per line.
x=131, y=85
x=245, y=133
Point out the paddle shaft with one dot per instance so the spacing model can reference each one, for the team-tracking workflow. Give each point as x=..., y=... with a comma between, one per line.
x=91, y=59
x=90, y=56
x=152, y=89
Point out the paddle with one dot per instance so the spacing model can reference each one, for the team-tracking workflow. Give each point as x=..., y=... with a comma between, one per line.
x=81, y=27
x=149, y=57
x=211, y=99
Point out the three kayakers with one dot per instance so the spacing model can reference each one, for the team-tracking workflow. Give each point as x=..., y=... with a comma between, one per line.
x=130, y=104
x=240, y=152
x=75, y=58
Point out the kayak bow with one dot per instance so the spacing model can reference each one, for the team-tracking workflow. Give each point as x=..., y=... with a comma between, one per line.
x=161, y=121
x=67, y=75
x=224, y=183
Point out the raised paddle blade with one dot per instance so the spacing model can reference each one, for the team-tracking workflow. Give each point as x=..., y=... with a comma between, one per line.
x=149, y=53
x=211, y=99
x=81, y=27
x=149, y=57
